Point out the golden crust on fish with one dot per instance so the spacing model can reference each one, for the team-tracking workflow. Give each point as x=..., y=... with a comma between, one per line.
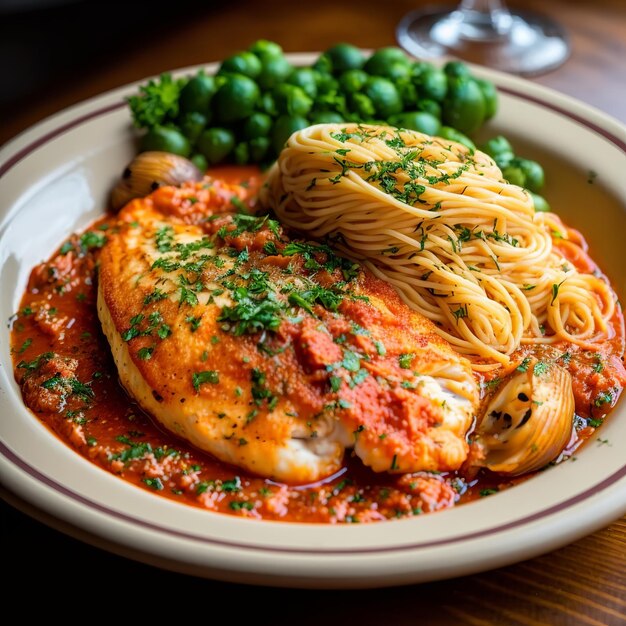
x=276, y=355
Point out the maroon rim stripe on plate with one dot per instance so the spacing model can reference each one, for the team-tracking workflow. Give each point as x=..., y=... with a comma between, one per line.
x=24, y=466
x=556, y=508
x=31, y=147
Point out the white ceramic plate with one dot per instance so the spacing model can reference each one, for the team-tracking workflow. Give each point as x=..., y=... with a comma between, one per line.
x=54, y=179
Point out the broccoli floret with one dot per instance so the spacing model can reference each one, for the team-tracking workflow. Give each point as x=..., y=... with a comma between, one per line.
x=156, y=102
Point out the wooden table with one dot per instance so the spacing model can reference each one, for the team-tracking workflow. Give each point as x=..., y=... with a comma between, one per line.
x=584, y=583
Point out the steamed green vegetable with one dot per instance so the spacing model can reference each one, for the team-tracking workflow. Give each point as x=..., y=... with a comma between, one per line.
x=246, y=112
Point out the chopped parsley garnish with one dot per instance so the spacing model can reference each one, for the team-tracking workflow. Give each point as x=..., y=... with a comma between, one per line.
x=260, y=391
x=323, y=256
x=251, y=314
x=203, y=486
x=351, y=361
x=232, y=485
x=238, y=506
x=69, y=385
x=328, y=298
x=359, y=377
x=187, y=296
x=91, y=240
x=155, y=483
x=145, y=353
x=248, y=223
x=555, y=291
x=604, y=397
x=206, y=377
x=194, y=322
x=156, y=295
x=405, y=360
x=460, y=313
x=598, y=366
x=135, y=450
x=31, y=366
x=25, y=346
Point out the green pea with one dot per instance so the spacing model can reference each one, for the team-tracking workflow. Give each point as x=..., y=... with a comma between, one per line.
x=265, y=49
x=267, y=104
x=245, y=63
x=236, y=98
x=273, y=72
x=326, y=84
x=432, y=83
x=417, y=120
x=192, y=124
x=344, y=57
x=241, y=153
x=306, y=79
x=284, y=127
x=378, y=64
x=496, y=146
x=541, y=204
x=199, y=160
x=216, y=144
x=196, y=95
x=352, y=81
x=452, y=134
x=464, y=106
x=490, y=94
x=504, y=159
x=419, y=67
x=408, y=93
x=259, y=147
x=397, y=71
x=362, y=105
x=514, y=175
x=257, y=125
x=166, y=139
x=533, y=173
x=323, y=64
x=430, y=106
x=384, y=96
x=291, y=100
x=456, y=69
x=327, y=117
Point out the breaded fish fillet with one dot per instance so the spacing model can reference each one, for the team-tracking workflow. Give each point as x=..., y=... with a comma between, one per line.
x=275, y=354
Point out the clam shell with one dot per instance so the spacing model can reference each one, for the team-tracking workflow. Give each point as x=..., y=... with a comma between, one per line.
x=148, y=171
x=528, y=422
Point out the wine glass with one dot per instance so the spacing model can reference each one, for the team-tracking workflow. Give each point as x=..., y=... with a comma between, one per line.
x=486, y=32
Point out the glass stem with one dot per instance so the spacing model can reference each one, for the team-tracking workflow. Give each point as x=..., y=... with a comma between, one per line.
x=483, y=19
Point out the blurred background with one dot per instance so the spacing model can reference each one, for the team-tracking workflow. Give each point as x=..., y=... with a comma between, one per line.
x=54, y=53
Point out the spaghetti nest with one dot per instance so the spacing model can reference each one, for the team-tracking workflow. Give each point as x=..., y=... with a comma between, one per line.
x=436, y=220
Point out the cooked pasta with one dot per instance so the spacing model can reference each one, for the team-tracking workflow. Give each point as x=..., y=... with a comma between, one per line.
x=437, y=221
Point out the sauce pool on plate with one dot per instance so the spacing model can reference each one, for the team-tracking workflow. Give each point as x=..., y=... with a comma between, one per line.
x=57, y=342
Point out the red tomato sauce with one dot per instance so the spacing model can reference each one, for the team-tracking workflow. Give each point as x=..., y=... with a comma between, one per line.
x=57, y=329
